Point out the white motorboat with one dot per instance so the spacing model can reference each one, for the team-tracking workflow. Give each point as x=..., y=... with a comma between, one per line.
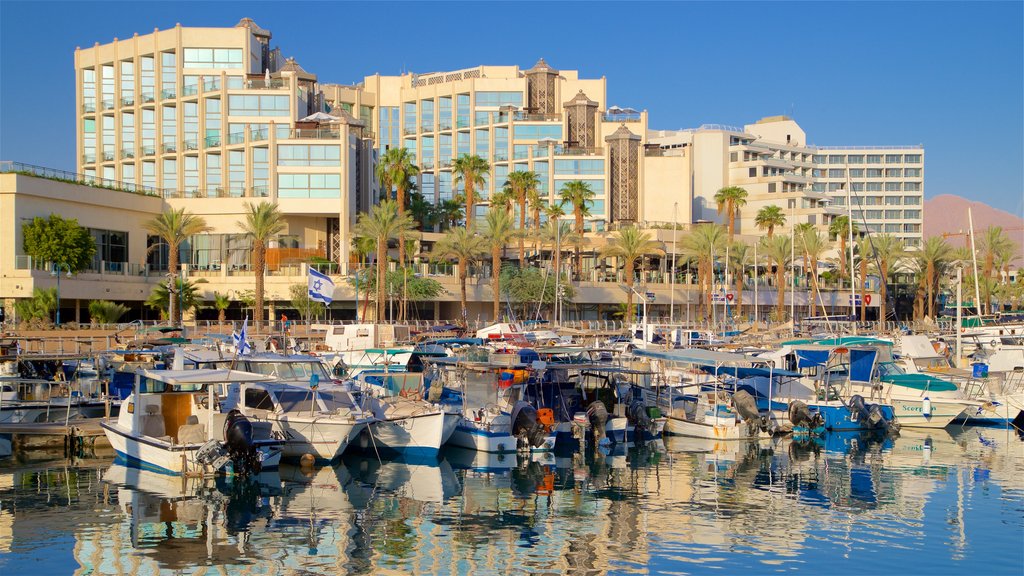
x=168, y=425
x=403, y=421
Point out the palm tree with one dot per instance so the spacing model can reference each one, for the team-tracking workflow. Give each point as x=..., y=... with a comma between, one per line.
x=499, y=231
x=814, y=246
x=174, y=227
x=383, y=223
x=190, y=297
x=522, y=184
x=731, y=199
x=630, y=244
x=778, y=250
x=935, y=254
x=769, y=218
x=578, y=193
x=740, y=256
x=470, y=170
x=992, y=242
x=422, y=211
x=221, y=302
x=466, y=247
x=698, y=246
x=888, y=251
x=397, y=168
x=557, y=233
x=503, y=199
x=449, y=212
x=262, y=222
x=840, y=227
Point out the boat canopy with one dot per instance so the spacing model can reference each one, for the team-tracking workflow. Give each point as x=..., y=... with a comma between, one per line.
x=920, y=382
x=700, y=356
x=151, y=381
x=742, y=372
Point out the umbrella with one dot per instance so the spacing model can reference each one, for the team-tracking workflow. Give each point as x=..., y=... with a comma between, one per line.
x=320, y=117
x=267, y=77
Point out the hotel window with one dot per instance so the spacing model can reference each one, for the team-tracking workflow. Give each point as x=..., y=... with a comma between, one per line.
x=428, y=188
x=444, y=150
x=410, y=145
x=189, y=85
x=893, y=172
x=88, y=90
x=772, y=187
x=191, y=174
x=732, y=155
x=893, y=214
x=839, y=201
x=148, y=132
x=168, y=75
x=911, y=214
x=213, y=174
x=212, y=134
x=427, y=115
x=912, y=172
x=873, y=187
x=874, y=173
x=911, y=186
x=149, y=174
x=575, y=167
x=751, y=172
x=239, y=105
x=462, y=111
x=190, y=125
x=819, y=158
x=109, y=173
x=444, y=186
x=128, y=173
x=874, y=159
x=817, y=172
x=837, y=159
x=388, y=127
x=855, y=159
x=873, y=214
x=893, y=228
x=483, y=143
x=260, y=171
x=308, y=155
x=462, y=144
x=427, y=152
x=912, y=242
x=836, y=173
x=538, y=132
x=108, y=86
x=496, y=99
x=366, y=115
x=409, y=118
x=170, y=129
x=856, y=187
x=541, y=169
x=835, y=186
x=216, y=58
x=818, y=187
x=500, y=144
x=127, y=83
x=893, y=186
x=856, y=172
x=911, y=200
x=89, y=141
x=128, y=135
x=893, y=158
x=111, y=247
x=147, y=81
x=912, y=228
x=309, y=185
x=170, y=175
x=444, y=112
x=892, y=201
x=912, y=159
x=872, y=200
x=236, y=173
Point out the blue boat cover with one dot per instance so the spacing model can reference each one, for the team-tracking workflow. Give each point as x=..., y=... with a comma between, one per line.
x=750, y=372
x=809, y=358
x=862, y=364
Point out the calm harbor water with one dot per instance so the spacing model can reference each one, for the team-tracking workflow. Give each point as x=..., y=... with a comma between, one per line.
x=935, y=502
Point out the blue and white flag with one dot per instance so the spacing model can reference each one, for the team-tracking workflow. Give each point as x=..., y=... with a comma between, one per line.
x=242, y=340
x=321, y=287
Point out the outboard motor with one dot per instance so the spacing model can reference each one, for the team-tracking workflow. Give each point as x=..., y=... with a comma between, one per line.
x=746, y=405
x=858, y=408
x=526, y=427
x=238, y=439
x=801, y=415
x=871, y=415
x=598, y=416
x=636, y=414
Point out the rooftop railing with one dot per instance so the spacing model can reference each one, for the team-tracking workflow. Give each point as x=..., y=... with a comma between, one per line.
x=262, y=84
x=577, y=151
x=10, y=167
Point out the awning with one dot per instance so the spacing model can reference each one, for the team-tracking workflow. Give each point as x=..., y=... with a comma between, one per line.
x=699, y=356
x=193, y=377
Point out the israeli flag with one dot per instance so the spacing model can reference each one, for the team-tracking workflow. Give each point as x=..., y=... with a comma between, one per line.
x=321, y=288
x=242, y=340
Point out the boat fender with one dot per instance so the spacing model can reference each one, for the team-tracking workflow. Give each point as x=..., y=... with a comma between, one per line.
x=926, y=407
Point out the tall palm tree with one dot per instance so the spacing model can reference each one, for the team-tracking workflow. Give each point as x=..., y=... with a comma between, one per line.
x=730, y=199
x=503, y=199
x=778, y=250
x=769, y=218
x=934, y=256
x=465, y=247
x=814, y=246
x=990, y=244
x=740, y=256
x=630, y=245
x=470, y=170
x=840, y=228
x=888, y=252
x=382, y=223
x=449, y=212
x=262, y=222
x=698, y=246
x=521, y=184
x=578, y=193
x=499, y=231
x=174, y=227
x=221, y=302
x=397, y=169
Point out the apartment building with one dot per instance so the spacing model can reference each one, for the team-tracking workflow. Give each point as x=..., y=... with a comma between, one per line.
x=885, y=186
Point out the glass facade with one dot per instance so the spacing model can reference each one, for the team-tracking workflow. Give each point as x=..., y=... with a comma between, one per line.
x=263, y=105
x=216, y=58
x=309, y=185
x=308, y=155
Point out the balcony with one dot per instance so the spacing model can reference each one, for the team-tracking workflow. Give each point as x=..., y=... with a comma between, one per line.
x=259, y=135
x=149, y=150
x=191, y=145
x=261, y=191
x=444, y=125
x=127, y=100
x=189, y=91
x=75, y=178
x=168, y=93
x=211, y=85
x=315, y=134
x=169, y=147
x=108, y=156
x=577, y=151
x=108, y=103
x=409, y=130
x=88, y=158
x=462, y=123
x=262, y=84
x=427, y=165
x=236, y=138
x=128, y=153
x=148, y=97
x=89, y=107
x=525, y=117
x=211, y=141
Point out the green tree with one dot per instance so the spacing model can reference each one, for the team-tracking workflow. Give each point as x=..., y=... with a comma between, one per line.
x=630, y=245
x=470, y=170
x=299, y=298
x=247, y=298
x=396, y=168
x=730, y=199
x=537, y=204
x=174, y=227
x=840, y=228
x=698, y=246
x=262, y=222
x=993, y=245
x=58, y=240
x=383, y=223
x=186, y=294
x=934, y=257
x=521, y=184
x=558, y=234
x=527, y=287
x=864, y=254
x=498, y=232
x=221, y=302
x=778, y=250
x=448, y=213
x=422, y=211
x=106, y=312
x=466, y=248
x=578, y=193
x=39, y=307
x=769, y=218
x=402, y=282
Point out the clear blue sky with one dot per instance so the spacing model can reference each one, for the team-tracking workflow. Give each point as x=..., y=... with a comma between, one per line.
x=947, y=75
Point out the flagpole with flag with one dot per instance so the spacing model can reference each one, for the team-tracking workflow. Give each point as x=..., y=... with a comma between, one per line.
x=241, y=341
x=321, y=287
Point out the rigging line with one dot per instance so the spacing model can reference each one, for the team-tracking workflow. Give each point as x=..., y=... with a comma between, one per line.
x=874, y=256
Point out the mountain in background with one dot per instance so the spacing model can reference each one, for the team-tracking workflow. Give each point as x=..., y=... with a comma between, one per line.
x=947, y=213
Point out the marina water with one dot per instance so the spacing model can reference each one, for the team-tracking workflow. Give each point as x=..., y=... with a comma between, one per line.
x=927, y=502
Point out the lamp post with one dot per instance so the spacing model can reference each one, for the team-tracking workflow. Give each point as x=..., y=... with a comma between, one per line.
x=56, y=272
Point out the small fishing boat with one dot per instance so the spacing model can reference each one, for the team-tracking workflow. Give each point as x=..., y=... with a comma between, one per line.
x=403, y=421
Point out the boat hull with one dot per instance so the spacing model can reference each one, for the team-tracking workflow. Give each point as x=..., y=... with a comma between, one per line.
x=418, y=435
x=473, y=437
x=910, y=413
x=324, y=439
x=723, y=430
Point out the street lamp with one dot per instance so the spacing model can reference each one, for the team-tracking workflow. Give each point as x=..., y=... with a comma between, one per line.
x=56, y=272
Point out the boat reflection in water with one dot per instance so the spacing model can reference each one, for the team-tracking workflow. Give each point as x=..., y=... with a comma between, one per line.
x=935, y=500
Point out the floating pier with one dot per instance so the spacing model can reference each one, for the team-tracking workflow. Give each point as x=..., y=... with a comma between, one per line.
x=72, y=436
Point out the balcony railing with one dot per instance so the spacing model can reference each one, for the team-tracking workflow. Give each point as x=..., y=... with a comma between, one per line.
x=7, y=166
x=108, y=103
x=211, y=85
x=236, y=138
x=259, y=135
x=261, y=84
x=169, y=147
x=108, y=156
x=189, y=90
x=444, y=125
x=621, y=117
x=89, y=107
x=409, y=130
x=148, y=97
x=261, y=191
x=128, y=153
x=578, y=151
x=318, y=133
x=127, y=100
x=211, y=141
x=525, y=117
x=191, y=145
x=168, y=93
x=88, y=158
x=149, y=150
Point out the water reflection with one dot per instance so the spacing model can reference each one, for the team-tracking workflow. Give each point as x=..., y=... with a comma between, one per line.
x=935, y=498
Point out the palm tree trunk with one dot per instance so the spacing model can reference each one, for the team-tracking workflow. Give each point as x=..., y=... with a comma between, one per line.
x=496, y=281
x=629, y=294
x=863, y=289
x=463, y=274
x=739, y=292
x=381, y=277
x=814, y=280
x=469, y=205
x=522, y=231
x=261, y=263
x=579, y=233
x=930, y=279
x=730, y=208
x=883, y=292
x=842, y=258
x=172, y=292
x=780, y=278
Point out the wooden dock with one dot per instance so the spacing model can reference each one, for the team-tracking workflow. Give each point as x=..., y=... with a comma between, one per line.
x=76, y=434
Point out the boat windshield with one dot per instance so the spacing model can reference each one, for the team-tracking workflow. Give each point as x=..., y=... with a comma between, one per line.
x=295, y=400
x=336, y=400
x=890, y=369
x=290, y=371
